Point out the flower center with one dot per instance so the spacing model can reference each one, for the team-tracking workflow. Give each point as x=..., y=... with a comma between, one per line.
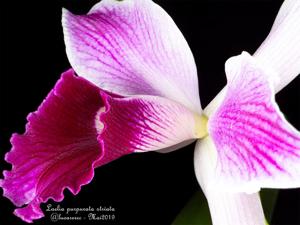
x=201, y=130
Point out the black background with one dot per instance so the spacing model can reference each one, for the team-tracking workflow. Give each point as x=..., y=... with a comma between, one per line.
x=147, y=188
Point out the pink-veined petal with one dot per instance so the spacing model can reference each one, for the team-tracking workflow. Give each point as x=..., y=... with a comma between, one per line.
x=132, y=47
x=58, y=149
x=256, y=146
x=145, y=123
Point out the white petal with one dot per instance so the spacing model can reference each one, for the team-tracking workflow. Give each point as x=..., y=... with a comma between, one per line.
x=225, y=208
x=281, y=49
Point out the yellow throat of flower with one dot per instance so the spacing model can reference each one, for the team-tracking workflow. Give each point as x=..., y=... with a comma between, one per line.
x=201, y=130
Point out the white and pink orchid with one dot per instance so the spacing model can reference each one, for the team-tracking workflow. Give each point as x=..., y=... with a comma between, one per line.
x=134, y=88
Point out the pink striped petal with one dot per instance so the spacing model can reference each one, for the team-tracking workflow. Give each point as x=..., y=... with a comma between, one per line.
x=145, y=123
x=58, y=149
x=255, y=144
x=132, y=47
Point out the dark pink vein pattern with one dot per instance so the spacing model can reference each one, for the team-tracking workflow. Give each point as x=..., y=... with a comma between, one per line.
x=132, y=48
x=256, y=146
x=144, y=123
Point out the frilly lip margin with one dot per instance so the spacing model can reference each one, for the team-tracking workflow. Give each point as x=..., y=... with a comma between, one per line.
x=36, y=201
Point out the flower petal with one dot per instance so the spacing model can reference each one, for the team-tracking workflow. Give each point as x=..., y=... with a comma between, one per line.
x=281, y=49
x=132, y=47
x=58, y=149
x=256, y=146
x=285, y=11
x=84, y=126
x=225, y=208
x=146, y=123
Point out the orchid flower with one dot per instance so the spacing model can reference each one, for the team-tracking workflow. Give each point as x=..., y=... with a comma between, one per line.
x=133, y=87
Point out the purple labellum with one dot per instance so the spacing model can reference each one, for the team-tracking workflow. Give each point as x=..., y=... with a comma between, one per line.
x=58, y=149
x=79, y=127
